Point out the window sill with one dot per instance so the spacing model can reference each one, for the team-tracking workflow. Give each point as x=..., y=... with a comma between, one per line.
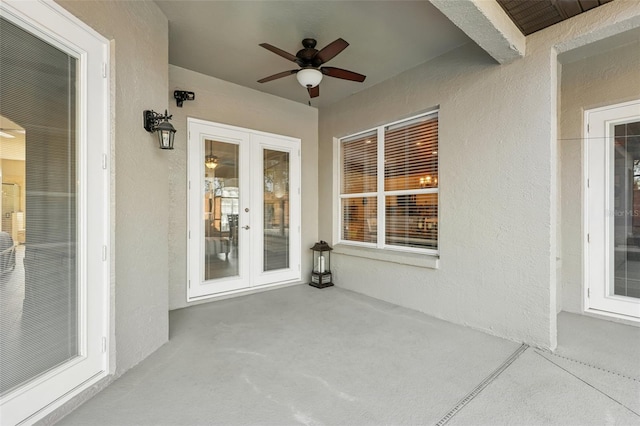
x=404, y=258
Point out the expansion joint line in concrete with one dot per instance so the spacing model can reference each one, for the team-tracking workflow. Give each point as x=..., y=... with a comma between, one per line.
x=483, y=384
x=587, y=383
x=588, y=365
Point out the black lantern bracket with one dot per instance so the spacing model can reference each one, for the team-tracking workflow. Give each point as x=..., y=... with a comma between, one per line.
x=159, y=123
x=152, y=119
x=182, y=95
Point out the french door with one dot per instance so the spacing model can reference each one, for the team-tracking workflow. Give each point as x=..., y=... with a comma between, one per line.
x=612, y=214
x=54, y=285
x=244, y=209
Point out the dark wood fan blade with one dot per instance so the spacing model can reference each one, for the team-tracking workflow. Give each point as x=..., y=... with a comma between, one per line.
x=343, y=74
x=277, y=76
x=330, y=51
x=280, y=52
x=314, y=92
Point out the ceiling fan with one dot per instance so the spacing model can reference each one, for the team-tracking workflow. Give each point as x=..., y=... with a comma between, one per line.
x=310, y=61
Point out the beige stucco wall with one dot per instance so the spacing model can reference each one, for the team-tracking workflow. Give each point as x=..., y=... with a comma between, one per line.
x=498, y=181
x=223, y=102
x=607, y=78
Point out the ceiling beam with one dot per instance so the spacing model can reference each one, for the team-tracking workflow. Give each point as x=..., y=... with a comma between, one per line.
x=567, y=8
x=486, y=23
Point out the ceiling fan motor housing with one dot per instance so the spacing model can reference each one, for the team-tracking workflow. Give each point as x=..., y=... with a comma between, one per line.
x=307, y=55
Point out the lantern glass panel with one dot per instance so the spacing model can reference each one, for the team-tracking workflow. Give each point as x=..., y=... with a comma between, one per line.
x=321, y=261
x=165, y=138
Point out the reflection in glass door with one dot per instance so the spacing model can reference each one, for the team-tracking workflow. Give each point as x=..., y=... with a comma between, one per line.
x=276, y=210
x=221, y=210
x=38, y=261
x=626, y=209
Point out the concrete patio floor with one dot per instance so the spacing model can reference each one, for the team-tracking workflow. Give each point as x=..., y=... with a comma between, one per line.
x=299, y=355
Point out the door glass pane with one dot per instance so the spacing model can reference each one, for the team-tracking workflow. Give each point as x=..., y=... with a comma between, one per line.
x=38, y=260
x=627, y=210
x=276, y=210
x=221, y=192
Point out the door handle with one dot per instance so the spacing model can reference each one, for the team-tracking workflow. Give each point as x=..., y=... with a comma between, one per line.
x=246, y=227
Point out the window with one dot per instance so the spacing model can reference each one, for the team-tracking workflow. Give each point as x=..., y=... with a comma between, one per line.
x=389, y=186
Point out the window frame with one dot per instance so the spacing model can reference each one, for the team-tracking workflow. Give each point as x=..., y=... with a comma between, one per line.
x=380, y=194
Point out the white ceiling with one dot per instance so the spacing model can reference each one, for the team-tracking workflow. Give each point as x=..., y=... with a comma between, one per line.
x=220, y=39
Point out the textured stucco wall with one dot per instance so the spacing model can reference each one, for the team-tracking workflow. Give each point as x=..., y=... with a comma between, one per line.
x=223, y=102
x=138, y=32
x=494, y=217
x=604, y=79
x=498, y=181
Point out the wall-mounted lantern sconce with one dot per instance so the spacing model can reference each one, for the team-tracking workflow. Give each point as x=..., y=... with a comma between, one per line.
x=164, y=129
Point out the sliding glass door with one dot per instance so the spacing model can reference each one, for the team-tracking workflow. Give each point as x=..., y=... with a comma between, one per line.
x=53, y=232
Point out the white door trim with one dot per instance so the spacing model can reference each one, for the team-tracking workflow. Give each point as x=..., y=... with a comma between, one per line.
x=293, y=273
x=198, y=130
x=598, y=253
x=252, y=143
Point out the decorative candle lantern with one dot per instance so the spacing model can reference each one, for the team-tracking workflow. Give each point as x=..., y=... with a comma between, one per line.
x=321, y=274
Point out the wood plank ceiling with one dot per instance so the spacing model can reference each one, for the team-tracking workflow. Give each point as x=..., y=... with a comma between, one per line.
x=533, y=15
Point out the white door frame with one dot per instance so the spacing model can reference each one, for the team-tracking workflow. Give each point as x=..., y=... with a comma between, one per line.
x=252, y=143
x=39, y=397
x=292, y=147
x=199, y=131
x=598, y=212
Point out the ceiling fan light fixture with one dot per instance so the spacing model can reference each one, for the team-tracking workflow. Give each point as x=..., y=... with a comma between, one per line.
x=309, y=77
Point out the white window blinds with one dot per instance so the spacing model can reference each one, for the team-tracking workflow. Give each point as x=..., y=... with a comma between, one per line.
x=411, y=154
x=359, y=164
x=391, y=201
